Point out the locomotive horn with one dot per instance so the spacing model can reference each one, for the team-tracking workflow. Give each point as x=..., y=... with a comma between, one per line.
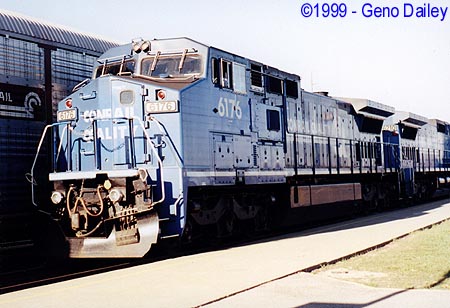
x=141, y=46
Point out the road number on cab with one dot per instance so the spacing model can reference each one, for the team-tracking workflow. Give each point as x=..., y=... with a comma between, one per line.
x=229, y=108
x=67, y=115
x=161, y=107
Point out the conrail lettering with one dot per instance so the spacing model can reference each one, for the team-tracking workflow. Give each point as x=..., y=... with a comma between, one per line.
x=5, y=97
x=107, y=113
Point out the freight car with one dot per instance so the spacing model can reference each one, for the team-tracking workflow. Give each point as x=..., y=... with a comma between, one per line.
x=39, y=65
x=172, y=138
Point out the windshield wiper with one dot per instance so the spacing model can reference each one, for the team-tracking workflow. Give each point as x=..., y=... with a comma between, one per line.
x=183, y=57
x=154, y=62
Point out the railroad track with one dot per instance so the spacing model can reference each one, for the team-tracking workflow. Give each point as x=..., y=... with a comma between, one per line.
x=57, y=270
x=52, y=273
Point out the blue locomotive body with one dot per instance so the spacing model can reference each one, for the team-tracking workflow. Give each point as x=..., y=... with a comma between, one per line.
x=172, y=136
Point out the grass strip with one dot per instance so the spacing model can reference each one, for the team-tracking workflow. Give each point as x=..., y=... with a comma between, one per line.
x=419, y=260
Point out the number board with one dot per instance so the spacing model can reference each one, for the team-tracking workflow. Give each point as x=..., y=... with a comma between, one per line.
x=161, y=107
x=67, y=115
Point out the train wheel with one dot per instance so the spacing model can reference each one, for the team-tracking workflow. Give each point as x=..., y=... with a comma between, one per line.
x=188, y=232
x=370, y=202
x=227, y=225
x=261, y=220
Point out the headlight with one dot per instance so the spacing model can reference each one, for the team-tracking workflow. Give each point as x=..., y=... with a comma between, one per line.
x=57, y=197
x=107, y=184
x=115, y=195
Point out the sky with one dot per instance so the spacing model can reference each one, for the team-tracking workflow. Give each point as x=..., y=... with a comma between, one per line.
x=399, y=61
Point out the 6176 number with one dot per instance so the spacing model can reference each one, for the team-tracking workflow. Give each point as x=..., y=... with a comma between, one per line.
x=229, y=108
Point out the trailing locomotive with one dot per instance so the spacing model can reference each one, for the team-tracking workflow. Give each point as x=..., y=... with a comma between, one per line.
x=172, y=136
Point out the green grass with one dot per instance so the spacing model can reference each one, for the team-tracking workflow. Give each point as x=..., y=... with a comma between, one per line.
x=420, y=260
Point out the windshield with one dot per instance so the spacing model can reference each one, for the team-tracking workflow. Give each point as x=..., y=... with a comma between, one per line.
x=171, y=66
x=116, y=68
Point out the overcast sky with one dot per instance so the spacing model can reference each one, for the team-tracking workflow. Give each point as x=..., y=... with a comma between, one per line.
x=402, y=62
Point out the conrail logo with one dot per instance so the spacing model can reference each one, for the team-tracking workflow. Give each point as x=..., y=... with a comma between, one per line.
x=21, y=102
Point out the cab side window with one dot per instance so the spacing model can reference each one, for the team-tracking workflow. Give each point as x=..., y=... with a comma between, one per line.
x=228, y=75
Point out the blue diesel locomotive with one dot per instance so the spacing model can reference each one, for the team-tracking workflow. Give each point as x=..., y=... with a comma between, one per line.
x=172, y=138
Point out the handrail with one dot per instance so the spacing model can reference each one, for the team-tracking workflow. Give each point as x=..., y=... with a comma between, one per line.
x=132, y=152
x=131, y=128
x=174, y=149
x=114, y=59
x=41, y=141
x=160, y=163
x=431, y=160
x=60, y=143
